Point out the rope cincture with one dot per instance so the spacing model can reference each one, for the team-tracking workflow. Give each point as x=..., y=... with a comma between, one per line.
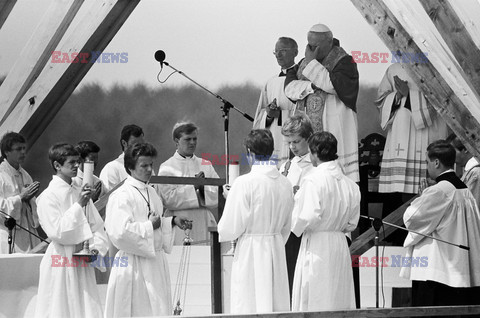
x=179, y=295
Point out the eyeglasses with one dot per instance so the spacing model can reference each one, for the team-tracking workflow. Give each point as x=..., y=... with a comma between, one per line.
x=19, y=148
x=281, y=51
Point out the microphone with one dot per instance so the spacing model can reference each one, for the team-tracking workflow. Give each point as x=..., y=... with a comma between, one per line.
x=160, y=57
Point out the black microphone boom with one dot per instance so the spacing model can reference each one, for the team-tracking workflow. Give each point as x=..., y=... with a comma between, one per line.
x=160, y=56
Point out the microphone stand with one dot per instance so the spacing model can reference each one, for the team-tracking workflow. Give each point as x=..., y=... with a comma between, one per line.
x=225, y=109
x=10, y=224
x=377, y=223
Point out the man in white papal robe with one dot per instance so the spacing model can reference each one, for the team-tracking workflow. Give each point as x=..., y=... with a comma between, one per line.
x=327, y=206
x=257, y=213
x=135, y=226
x=67, y=286
x=274, y=108
x=193, y=202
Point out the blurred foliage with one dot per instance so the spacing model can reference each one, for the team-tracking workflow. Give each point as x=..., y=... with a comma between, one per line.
x=93, y=113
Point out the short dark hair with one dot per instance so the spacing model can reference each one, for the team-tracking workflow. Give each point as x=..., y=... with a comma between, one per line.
x=86, y=147
x=128, y=131
x=456, y=143
x=298, y=124
x=289, y=41
x=59, y=153
x=443, y=151
x=323, y=145
x=133, y=152
x=260, y=142
x=183, y=128
x=8, y=140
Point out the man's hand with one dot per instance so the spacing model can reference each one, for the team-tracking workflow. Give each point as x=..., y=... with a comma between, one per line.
x=30, y=191
x=273, y=111
x=311, y=53
x=97, y=190
x=226, y=189
x=85, y=195
x=401, y=87
x=183, y=223
x=425, y=183
x=156, y=220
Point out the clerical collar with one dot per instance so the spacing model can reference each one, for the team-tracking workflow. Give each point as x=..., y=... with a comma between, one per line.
x=284, y=70
x=185, y=157
x=451, y=177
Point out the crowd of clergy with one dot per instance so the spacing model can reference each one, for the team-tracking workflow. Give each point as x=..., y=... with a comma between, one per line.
x=291, y=216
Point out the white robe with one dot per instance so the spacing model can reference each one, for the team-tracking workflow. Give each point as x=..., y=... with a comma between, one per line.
x=182, y=199
x=274, y=89
x=257, y=213
x=338, y=119
x=113, y=173
x=327, y=206
x=300, y=166
x=79, y=181
x=142, y=288
x=12, y=181
x=451, y=214
x=408, y=134
x=68, y=291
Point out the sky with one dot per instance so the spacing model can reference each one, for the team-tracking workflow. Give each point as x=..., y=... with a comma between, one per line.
x=214, y=42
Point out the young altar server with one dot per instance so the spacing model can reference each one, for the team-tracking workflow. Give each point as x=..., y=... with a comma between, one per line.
x=258, y=213
x=134, y=223
x=327, y=206
x=67, y=286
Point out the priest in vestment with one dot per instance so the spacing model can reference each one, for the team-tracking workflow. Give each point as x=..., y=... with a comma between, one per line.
x=411, y=124
x=17, y=195
x=296, y=131
x=325, y=86
x=274, y=108
x=327, y=206
x=135, y=225
x=258, y=213
x=67, y=286
x=447, y=211
x=193, y=202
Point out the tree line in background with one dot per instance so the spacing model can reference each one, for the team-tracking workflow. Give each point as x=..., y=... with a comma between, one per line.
x=98, y=114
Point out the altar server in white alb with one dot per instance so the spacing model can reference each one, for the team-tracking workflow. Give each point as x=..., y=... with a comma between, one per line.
x=274, y=108
x=17, y=195
x=258, y=213
x=136, y=227
x=296, y=131
x=411, y=124
x=325, y=86
x=114, y=171
x=194, y=202
x=442, y=274
x=67, y=286
x=327, y=206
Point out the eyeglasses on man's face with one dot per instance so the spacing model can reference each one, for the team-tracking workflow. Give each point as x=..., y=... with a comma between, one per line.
x=281, y=51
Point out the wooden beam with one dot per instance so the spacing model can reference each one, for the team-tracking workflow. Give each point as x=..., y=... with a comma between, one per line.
x=463, y=121
x=365, y=241
x=457, y=37
x=36, y=53
x=92, y=29
x=6, y=7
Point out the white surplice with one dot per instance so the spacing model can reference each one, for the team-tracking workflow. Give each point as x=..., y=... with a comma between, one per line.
x=327, y=206
x=68, y=291
x=299, y=167
x=450, y=214
x=113, y=173
x=142, y=288
x=182, y=199
x=12, y=181
x=409, y=132
x=273, y=89
x=79, y=181
x=258, y=213
x=337, y=118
